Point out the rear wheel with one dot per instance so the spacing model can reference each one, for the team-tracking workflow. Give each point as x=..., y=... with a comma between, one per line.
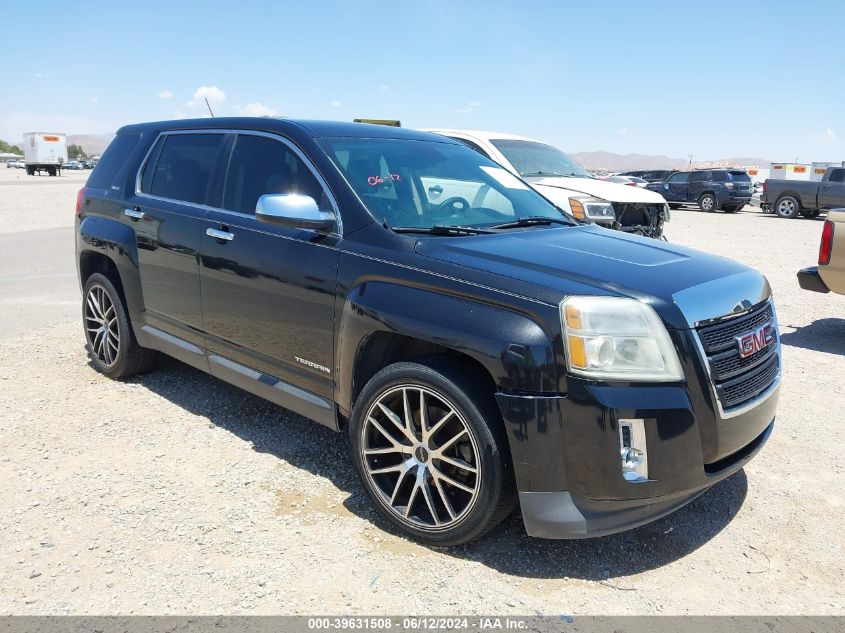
x=427, y=443
x=111, y=342
x=674, y=205
x=708, y=203
x=787, y=207
x=811, y=214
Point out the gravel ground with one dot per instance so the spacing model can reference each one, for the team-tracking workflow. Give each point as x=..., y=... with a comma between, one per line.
x=176, y=493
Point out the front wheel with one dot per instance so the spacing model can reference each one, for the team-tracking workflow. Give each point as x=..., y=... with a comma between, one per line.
x=787, y=207
x=708, y=203
x=111, y=342
x=427, y=442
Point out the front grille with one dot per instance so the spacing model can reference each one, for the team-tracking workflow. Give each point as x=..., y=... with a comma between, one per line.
x=739, y=380
x=722, y=335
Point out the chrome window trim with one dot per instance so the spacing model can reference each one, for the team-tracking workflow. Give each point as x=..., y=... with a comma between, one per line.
x=727, y=414
x=338, y=230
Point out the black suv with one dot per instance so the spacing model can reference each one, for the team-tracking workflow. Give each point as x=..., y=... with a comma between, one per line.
x=480, y=351
x=710, y=189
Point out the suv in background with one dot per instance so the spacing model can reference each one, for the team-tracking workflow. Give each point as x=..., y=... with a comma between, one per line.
x=711, y=189
x=652, y=175
x=478, y=347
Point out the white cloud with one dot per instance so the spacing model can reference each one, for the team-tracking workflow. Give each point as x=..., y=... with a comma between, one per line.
x=254, y=109
x=623, y=131
x=336, y=104
x=469, y=107
x=828, y=137
x=384, y=88
x=213, y=94
x=178, y=114
x=93, y=99
x=165, y=94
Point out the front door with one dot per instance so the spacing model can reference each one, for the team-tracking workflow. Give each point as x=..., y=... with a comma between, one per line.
x=697, y=184
x=832, y=191
x=675, y=188
x=268, y=292
x=167, y=216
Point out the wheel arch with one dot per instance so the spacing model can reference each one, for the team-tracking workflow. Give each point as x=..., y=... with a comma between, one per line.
x=381, y=323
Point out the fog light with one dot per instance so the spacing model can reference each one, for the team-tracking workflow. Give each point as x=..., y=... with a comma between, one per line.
x=632, y=450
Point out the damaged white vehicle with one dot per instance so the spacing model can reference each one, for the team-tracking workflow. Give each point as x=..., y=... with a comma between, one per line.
x=568, y=185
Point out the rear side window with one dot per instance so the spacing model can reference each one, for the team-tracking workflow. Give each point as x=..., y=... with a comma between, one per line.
x=115, y=157
x=740, y=176
x=184, y=167
x=698, y=176
x=720, y=176
x=261, y=165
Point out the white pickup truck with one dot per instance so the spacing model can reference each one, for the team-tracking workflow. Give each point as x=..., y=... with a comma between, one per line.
x=568, y=185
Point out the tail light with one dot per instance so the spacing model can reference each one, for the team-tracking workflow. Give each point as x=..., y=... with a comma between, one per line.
x=765, y=188
x=631, y=184
x=827, y=243
x=80, y=200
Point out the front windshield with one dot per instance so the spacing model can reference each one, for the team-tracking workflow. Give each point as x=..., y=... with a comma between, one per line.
x=538, y=159
x=416, y=183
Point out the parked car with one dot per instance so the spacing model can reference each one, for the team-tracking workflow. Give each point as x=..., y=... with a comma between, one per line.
x=73, y=165
x=788, y=198
x=480, y=349
x=568, y=185
x=710, y=189
x=829, y=275
x=653, y=175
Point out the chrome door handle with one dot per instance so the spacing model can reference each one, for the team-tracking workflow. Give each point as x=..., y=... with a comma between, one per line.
x=135, y=214
x=220, y=235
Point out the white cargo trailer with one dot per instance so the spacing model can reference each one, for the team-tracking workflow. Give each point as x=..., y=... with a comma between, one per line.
x=44, y=151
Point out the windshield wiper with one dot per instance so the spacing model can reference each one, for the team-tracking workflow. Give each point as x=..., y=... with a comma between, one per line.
x=548, y=174
x=439, y=229
x=531, y=221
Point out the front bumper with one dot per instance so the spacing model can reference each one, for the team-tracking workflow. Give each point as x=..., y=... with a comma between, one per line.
x=809, y=279
x=565, y=452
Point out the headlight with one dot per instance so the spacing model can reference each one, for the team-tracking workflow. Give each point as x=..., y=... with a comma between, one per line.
x=592, y=209
x=615, y=338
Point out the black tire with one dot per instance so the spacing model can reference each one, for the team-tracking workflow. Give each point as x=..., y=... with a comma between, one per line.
x=708, y=202
x=787, y=207
x=493, y=493
x=30, y=171
x=733, y=208
x=811, y=214
x=674, y=205
x=109, y=338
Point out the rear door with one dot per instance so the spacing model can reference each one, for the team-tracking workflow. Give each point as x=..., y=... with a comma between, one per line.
x=173, y=197
x=832, y=190
x=697, y=184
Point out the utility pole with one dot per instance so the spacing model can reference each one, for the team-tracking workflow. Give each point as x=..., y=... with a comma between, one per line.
x=689, y=167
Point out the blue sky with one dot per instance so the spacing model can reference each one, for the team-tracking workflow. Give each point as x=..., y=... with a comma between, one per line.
x=714, y=79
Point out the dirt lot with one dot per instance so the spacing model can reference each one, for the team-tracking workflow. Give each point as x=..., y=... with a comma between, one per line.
x=175, y=493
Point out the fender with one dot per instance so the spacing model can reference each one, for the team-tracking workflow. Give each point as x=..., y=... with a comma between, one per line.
x=515, y=350
x=116, y=241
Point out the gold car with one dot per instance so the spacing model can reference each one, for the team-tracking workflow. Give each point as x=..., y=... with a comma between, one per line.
x=829, y=275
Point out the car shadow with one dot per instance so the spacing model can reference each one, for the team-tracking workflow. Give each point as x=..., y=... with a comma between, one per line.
x=507, y=549
x=822, y=335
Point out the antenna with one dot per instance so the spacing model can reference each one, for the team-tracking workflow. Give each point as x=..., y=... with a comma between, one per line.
x=209, y=107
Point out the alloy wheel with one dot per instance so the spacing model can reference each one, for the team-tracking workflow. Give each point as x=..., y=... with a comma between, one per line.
x=707, y=203
x=786, y=207
x=101, y=326
x=420, y=456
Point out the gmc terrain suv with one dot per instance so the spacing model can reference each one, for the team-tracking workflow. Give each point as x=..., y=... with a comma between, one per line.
x=710, y=189
x=481, y=350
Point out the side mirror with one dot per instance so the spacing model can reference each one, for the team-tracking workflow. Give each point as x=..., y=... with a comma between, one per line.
x=293, y=210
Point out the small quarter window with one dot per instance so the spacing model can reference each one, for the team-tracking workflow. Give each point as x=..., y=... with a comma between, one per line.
x=837, y=175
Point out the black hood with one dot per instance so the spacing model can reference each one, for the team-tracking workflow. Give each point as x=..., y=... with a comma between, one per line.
x=590, y=260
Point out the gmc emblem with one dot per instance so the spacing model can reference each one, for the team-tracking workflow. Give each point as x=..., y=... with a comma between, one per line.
x=755, y=341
